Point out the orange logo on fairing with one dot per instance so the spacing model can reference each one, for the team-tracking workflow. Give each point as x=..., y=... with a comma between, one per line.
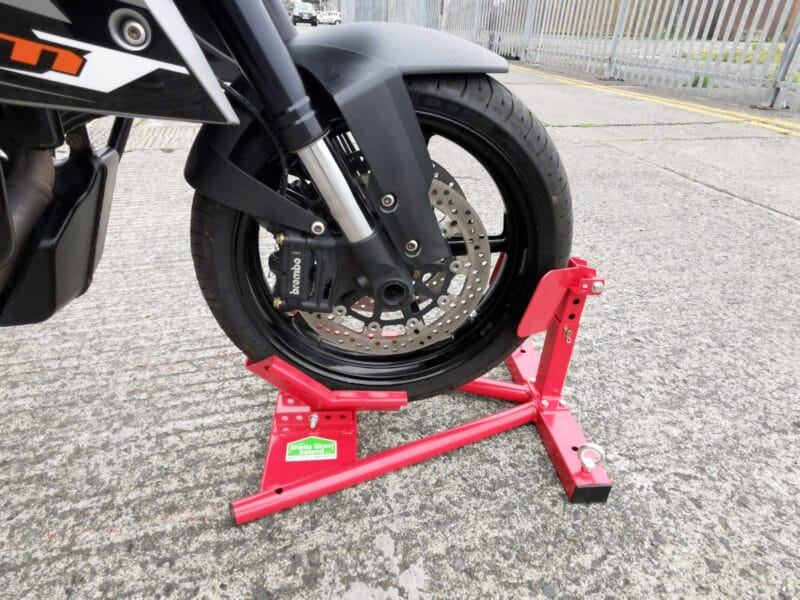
x=31, y=53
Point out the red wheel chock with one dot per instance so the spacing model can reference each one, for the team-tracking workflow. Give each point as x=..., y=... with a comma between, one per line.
x=313, y=444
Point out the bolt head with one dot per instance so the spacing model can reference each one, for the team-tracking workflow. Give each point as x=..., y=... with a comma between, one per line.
x=597, y=287
x=412, y=246
x=388, y=201
x=74, y=140
x=134, y=33
x=280, y=238
x=318, y=228
x=277, y=303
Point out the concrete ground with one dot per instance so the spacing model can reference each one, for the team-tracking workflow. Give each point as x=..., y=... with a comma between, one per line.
x=128, y=421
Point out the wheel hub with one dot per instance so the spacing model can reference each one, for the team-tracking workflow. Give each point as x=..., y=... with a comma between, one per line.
x=446, y=300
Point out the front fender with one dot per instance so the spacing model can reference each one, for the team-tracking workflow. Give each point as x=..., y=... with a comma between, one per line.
x=361, y=66
x=411, y=50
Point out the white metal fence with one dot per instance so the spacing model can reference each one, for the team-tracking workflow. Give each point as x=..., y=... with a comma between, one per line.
x=744, y=51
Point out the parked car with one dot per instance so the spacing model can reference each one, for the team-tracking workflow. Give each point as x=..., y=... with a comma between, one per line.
x=304, y=12
x=330, y=17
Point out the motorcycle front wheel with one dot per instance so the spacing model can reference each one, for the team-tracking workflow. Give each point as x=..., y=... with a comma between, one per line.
x=506, y=179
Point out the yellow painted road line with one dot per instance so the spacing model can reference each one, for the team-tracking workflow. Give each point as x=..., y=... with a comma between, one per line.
x=778, y=125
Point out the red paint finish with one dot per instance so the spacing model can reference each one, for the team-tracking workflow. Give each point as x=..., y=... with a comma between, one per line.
x=314, y=440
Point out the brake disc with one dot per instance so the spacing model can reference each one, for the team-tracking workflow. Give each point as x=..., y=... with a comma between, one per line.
x=446, y=300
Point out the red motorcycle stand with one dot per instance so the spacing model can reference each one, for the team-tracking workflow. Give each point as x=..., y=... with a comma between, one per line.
x=313, y=444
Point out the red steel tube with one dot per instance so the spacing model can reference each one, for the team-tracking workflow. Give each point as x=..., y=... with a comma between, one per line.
x=502, y=390
x=269, y=501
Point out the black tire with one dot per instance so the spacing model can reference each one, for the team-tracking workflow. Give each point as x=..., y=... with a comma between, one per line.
x=337, y=22
x=499, y=130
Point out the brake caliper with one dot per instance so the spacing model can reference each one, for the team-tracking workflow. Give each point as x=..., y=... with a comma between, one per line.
x=311, y=272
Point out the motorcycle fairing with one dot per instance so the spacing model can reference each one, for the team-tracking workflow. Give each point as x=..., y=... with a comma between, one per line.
x=63, y=55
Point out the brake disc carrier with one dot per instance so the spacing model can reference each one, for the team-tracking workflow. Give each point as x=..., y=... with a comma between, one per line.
x=446, y=300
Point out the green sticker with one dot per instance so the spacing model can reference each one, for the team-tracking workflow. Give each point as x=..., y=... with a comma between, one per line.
x=311, y=448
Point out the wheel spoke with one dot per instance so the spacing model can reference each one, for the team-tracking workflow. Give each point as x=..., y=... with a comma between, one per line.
x=425, y=290
x=497, y=243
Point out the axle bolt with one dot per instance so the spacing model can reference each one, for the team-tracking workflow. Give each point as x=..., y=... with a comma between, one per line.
x=280, y=238
x=313, y=420
x=318, y=228
x=412, y=247
x=277, y=303
x=597, y=287
x=388, y=201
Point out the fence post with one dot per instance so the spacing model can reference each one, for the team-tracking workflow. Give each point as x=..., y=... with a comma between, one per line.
x=789, y=51
x=611, y=66
x=527, y=33
x=476, y=25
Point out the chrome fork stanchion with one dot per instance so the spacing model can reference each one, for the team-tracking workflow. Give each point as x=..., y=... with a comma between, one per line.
x=335, y=191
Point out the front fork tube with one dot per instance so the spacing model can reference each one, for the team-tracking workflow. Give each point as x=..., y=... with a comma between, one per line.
x=257, y=32
x=391, y=282
x=326, y=174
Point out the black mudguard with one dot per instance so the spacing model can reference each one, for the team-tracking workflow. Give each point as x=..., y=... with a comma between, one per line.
x=409, y=49
x=361, y=66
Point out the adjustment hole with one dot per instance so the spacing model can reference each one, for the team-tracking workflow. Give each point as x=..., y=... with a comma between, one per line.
x=574, y=448
x=342, y=417
x=572, y=316
x=394, y=294
x=576, y=301
x=279, y=490
x=327, y=417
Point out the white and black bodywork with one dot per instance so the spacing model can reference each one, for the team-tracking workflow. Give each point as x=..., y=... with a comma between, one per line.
x=381, y=271
x=127, y=57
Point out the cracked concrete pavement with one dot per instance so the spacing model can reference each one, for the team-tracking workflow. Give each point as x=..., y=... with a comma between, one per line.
x=129, y=422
